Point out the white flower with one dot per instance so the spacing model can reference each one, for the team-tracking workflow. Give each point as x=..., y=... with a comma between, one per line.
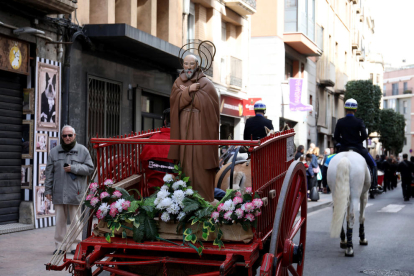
x=157, y=201
x=118, y=204
x=189, y=192
x=165, y=203
x=104, y=208
x=181, y=204
x=178, y=196
x=229, y=205
x=164, y=187
x=173, y=209
x=177, y=185
x=162, y=194
x=181, y=215
x=165, y=217
x=168, y=178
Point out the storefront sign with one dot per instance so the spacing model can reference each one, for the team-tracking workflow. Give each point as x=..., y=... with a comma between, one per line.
x=248, y=106
x=231, y=106
x=14, y=55
x=295, y=87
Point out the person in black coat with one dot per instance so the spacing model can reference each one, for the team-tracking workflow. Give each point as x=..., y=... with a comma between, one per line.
x=255, y=126
x=351, y=132
x=386, y=166
x=299, y=152
x=405, y=168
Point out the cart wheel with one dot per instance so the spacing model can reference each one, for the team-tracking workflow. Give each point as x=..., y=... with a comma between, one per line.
x=292, y=200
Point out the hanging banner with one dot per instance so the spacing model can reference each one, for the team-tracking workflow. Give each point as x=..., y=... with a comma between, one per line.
x=295, y=95
x=248, y=106
x=231, y=106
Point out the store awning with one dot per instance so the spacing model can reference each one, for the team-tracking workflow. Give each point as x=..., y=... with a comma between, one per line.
x=135, y=43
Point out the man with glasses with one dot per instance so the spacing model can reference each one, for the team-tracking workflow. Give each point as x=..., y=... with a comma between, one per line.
x=68, y=166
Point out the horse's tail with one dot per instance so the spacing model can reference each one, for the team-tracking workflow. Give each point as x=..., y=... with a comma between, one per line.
x=340, y=196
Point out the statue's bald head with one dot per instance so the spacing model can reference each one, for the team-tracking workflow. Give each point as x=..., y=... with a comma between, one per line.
x=190, y=65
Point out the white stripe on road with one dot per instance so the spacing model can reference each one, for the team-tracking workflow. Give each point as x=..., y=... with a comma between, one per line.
x=392, y=208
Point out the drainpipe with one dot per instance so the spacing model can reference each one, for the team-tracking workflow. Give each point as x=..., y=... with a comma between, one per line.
x=60, y=47
x=66, y=74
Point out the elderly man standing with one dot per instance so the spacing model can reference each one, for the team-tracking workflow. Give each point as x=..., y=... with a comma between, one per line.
x=68, y=166
x=195, y=115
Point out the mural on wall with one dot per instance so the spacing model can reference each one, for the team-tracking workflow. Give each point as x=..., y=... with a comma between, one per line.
x=48, y=83
x=44, y=207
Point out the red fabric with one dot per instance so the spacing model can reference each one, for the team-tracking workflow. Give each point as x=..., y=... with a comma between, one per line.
x=159, y=153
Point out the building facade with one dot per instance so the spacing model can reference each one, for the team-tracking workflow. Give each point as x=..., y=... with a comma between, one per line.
x=397, y=95
x=112, y=65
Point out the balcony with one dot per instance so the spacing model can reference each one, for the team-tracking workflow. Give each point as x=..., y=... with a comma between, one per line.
x=355, y=39
x=326, y=72
x=341, y=81
x=235, y=77
x=242, y=7
x=362, y=55
x=51, y=6
x=301, y=43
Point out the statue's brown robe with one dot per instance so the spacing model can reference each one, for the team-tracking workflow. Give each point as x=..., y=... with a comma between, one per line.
x=199, y=162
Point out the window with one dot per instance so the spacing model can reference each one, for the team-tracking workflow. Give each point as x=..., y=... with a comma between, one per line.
x=300, y=17
x=310, y=102
x=223, y=31
x=405, y=105
x=288, y=68
x=384, y=105
x=392, y=104
x=328, y=109
x=336, y=53
x=223, y=73
x=191, y=23
x=384, y=88
x=405, y=86
x=331, y=53
x=319, y=36
x=395, y=88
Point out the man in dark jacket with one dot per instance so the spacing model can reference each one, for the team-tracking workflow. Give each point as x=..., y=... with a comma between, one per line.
x=405, y=168
x=255, y=126
x=351, y=132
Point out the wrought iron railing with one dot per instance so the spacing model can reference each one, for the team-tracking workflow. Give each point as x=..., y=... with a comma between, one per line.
x=251, y=3
x=236, y=72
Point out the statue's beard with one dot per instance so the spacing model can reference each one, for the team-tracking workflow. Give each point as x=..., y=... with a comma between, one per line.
x=189, y=73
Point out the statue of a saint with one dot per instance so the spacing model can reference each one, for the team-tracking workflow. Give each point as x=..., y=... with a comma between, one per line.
x=195, y=115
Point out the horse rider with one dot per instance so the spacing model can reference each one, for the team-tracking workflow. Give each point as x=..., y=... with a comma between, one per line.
x=351, y=132
x=255, y=126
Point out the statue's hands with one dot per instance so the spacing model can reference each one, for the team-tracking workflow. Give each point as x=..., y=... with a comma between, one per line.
x=194, y=87
x=183, y=87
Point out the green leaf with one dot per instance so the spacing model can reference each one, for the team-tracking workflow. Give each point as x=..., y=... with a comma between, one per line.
x=205, y=236
x=229, y=195
x=188, y=237
x=194, y=221
x=136, y=224
x=247, y=198
x=212, y=228
x=193, y=238
x=151, y=231
x=188, y=231
x=200, y=251
x=138, y=234
x=186, y=179
x=125, y=194
x=117, y=226
x=216, y=242
x=245, y=226
x=134, y=206
x=124, y=234
x=190, y=205
x=108, y=237
x=176, y=167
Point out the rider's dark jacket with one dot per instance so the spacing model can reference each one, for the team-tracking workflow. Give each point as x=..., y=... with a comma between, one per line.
x=255, y=127
x=350, y=131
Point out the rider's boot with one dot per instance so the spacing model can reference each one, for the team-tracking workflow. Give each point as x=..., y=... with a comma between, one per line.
x=374, y=182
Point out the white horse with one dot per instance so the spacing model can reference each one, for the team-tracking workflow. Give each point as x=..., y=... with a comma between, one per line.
x=349, y=180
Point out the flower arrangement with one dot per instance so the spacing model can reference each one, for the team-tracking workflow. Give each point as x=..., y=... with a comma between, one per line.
x=119, y=209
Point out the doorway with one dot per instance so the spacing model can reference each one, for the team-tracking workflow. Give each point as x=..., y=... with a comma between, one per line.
x=152, y=106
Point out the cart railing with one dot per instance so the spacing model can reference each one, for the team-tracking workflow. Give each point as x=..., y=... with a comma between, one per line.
x=118, y=159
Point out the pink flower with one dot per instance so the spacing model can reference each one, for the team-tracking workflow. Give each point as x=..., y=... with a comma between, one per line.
x=104, y=194
x=239, y=213
x=257, y=213
x=94, y=200
x=93, y=186
x=249, y=217
x=238, y=193
x=89, y=197
x=248, y=207
x=220, y=207
x=257, y=202
x=99, y=214
x=215, y=216
x=237, y=200
x=112, y=205
x=227, y=215
x=117, y=194
x=108, y=182
x=113, y=212
x=126, y=204
x=249, y=190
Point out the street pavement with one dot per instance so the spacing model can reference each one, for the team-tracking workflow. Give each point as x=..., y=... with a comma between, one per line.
x=389, y=229
x=25, y=253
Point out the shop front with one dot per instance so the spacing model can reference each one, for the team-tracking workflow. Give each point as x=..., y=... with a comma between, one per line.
x=231, y=118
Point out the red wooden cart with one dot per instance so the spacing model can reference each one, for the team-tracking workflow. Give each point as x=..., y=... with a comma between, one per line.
x=278, y=247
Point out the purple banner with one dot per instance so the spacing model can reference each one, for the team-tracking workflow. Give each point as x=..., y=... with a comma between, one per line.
x=295, y=87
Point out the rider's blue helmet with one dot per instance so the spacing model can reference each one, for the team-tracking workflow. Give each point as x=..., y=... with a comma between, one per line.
x=351, y=104
x=259, y=106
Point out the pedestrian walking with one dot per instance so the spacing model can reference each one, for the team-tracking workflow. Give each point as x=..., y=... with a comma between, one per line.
x=68, y=166
x=324, y=169
x=311, y=172
x=405, y=168
x=319, y=159
x=394, y=176
x=299, y=152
